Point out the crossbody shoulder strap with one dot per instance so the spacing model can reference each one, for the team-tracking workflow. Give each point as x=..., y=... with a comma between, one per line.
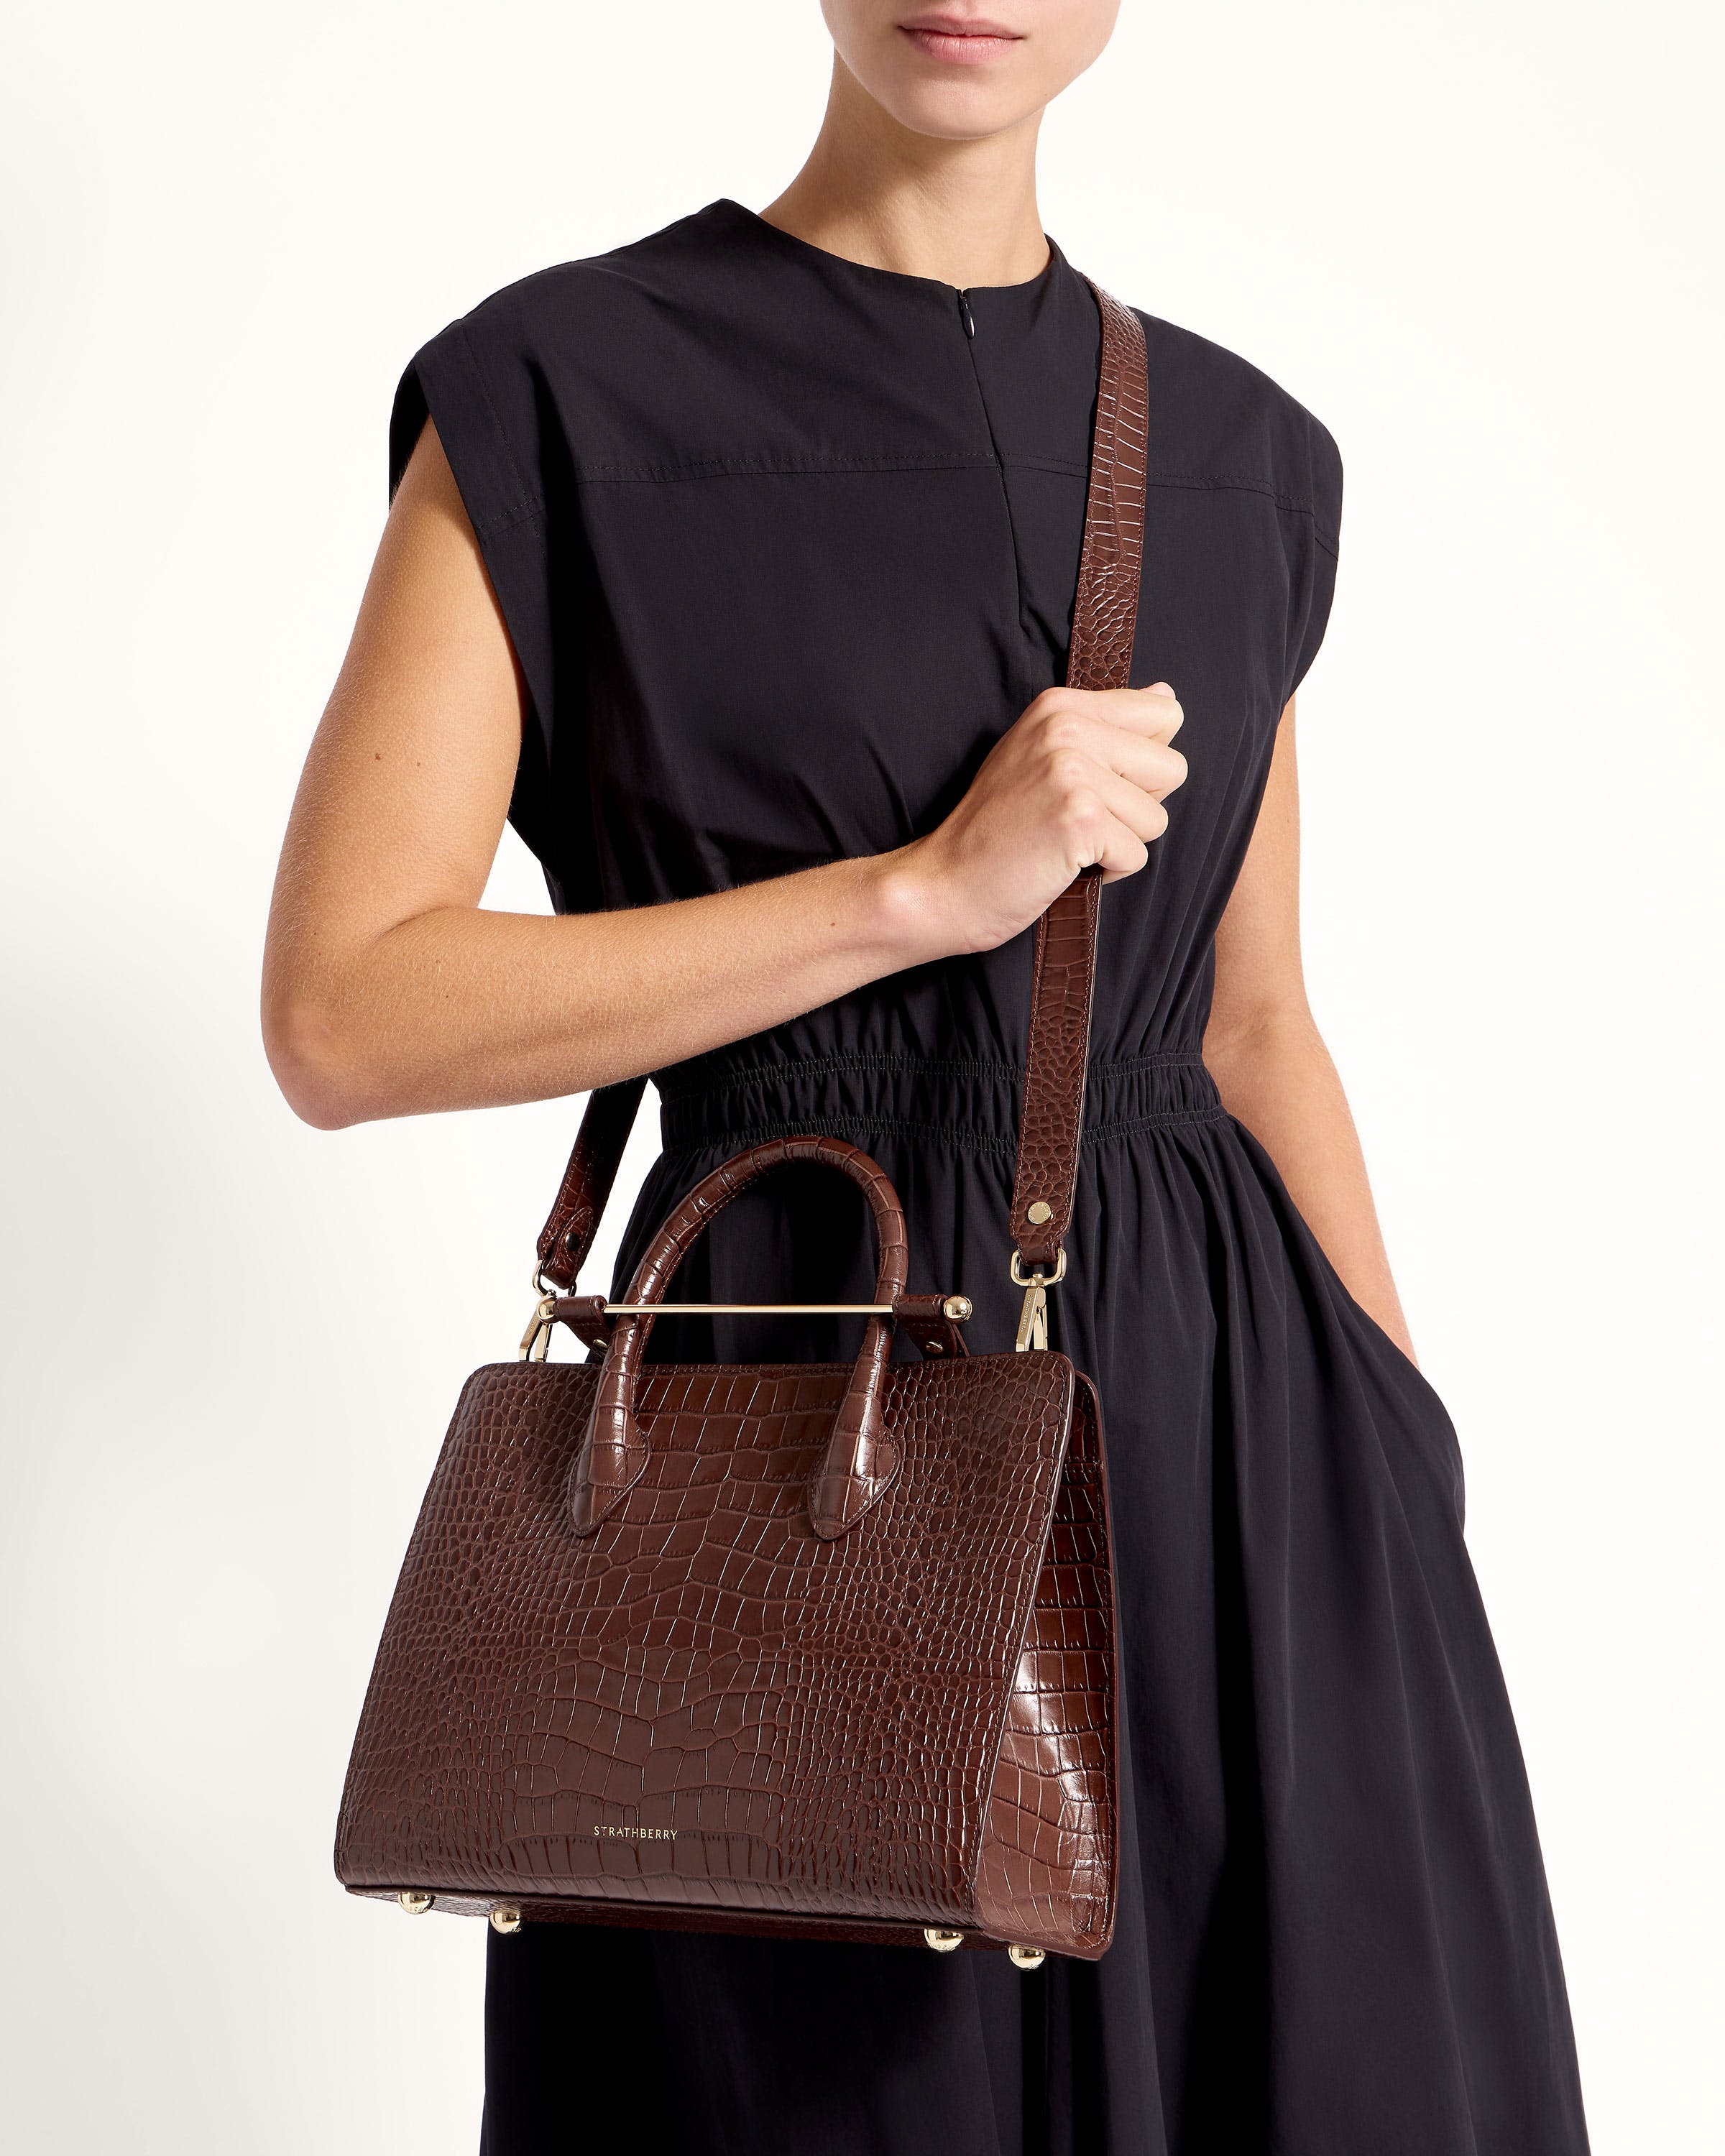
x=1063, y=979
x=1105, y=618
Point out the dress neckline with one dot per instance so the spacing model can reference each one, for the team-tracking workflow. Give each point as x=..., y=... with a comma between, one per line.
x=752, y=224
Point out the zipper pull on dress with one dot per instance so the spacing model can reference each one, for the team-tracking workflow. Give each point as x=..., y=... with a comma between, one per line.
x=965, y=315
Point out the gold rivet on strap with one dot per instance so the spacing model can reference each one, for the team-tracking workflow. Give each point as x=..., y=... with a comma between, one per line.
x=1039, y=1213
x=958, y=1307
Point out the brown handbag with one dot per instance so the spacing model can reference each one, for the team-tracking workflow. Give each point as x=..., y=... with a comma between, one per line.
x=823, y=1651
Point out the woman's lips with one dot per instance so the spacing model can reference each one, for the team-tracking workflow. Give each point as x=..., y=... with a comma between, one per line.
x=965, y=40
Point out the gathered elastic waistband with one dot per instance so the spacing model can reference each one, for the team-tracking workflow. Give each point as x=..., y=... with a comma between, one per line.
x=956, y=1100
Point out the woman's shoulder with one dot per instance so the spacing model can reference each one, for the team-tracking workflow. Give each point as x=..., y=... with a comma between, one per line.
x=583, y=364
x=597, y=298
x=1217, y=420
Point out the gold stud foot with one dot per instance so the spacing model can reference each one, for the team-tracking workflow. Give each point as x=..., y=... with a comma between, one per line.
x=505, y=1917
x=943, y=1942
x=415, y=1904
x=1026, y=1957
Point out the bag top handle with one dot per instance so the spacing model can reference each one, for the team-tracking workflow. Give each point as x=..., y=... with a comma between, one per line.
x=1063, y=978
x=860, y=1459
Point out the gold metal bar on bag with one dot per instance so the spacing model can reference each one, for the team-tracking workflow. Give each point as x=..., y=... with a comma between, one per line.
x=535, y=1341
x=748, y=1309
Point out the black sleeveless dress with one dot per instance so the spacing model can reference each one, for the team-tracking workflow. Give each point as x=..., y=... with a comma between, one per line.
x=784, y=544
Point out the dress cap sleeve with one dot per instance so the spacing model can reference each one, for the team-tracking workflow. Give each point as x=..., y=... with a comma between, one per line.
x=476, y=388
x=477, y=381
x=1312, y=573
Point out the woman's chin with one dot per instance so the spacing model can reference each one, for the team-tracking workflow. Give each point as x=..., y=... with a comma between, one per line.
x=956, y=103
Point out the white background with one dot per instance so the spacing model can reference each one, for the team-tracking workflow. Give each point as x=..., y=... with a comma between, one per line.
x=1477, y=241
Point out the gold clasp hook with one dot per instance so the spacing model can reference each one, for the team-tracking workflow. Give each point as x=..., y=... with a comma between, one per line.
x=535, y=1341
x=1033, y=1318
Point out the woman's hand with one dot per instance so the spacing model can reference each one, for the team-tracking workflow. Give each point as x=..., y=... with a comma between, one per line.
x=1079, y=781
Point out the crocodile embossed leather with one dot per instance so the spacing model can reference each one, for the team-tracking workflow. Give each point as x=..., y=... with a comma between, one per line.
x=818, y=1650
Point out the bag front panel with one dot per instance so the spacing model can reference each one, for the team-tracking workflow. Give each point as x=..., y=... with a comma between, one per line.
x=702, y=1704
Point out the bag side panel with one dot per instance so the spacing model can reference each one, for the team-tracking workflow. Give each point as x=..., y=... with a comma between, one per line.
x=1046, y=1871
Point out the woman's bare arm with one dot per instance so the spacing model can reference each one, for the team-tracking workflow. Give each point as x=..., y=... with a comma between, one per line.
x=1269, y=1060
x=387, y=991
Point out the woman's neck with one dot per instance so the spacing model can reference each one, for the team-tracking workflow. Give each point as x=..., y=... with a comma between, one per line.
x=962, y=211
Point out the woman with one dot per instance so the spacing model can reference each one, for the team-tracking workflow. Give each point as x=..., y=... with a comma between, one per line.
x=736, y=568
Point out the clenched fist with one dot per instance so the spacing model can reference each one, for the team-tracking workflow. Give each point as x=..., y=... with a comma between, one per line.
x=1078, y=781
